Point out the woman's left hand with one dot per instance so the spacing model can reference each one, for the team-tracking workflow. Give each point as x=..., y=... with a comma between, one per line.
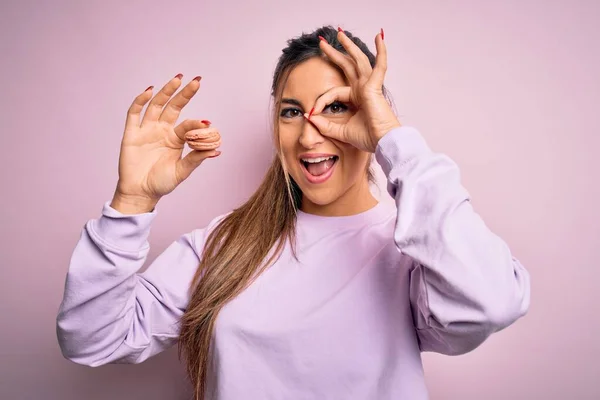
x=374, y=116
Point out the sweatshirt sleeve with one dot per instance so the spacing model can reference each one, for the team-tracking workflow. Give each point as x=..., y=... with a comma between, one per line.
x=465, y=284
x=110, y=313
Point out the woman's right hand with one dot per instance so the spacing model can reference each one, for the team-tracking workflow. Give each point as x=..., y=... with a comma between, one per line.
x=150, y=163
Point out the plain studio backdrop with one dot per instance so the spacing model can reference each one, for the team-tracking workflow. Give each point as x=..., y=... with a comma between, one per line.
x=509, y=89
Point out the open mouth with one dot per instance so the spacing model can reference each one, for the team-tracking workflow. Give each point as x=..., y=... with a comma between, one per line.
x=318, y=169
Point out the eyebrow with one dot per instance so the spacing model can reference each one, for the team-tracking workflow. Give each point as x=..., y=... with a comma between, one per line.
x=292, y=101
x=295, y=102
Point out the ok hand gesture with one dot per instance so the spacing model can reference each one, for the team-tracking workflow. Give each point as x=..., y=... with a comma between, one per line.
x=374, y=116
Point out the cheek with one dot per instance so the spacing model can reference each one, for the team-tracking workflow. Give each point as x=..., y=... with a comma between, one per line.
x=288, y=140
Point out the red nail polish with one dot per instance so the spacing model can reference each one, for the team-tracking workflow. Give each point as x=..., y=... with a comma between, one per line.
x=197, y=78
x=179, y=76
x=322, y=38
x=311, y=112
x=340, y=29
x=382, y=34
x=206, y=122
x=149, y=87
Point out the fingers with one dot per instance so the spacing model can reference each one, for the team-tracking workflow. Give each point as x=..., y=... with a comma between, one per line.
x=356, y=64
x=362, y=61
x=342, y=60
x=326, y=127
x=135, y=110
x=378, y=75
x=339, y=93
x=173, y=108
x=188, y=125
x=158, y=102
x=191, y=161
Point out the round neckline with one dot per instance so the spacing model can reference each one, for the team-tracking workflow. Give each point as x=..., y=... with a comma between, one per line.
x=372, y=215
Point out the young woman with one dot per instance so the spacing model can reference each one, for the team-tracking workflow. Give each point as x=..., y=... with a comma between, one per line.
x=311, y=289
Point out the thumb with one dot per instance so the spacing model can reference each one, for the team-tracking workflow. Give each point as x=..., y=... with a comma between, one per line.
x=326, y=127
x=192, y=160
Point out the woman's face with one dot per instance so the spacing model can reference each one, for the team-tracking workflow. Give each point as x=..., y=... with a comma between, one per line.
x=331, y=174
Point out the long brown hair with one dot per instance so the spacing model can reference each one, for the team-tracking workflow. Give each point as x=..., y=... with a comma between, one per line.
x=236, y=250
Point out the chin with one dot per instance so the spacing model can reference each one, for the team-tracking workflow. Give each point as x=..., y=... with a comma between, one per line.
x=321, y=198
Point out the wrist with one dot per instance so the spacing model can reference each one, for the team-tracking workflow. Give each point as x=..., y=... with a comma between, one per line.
x=132, y=204
x=384, y=130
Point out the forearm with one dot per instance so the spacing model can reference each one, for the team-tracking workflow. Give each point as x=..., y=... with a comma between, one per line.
x=100, y=289
x=466, y=283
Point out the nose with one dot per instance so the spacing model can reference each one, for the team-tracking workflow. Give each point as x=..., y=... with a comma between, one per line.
x=310, y=137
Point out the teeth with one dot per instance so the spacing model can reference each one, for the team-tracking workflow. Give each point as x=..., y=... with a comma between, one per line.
x=316, y=160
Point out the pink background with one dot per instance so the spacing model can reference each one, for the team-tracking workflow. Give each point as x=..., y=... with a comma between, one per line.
x=510, y=90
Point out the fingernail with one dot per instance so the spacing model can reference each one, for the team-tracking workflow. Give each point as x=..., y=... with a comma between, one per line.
x=149, y=88
x=206, y=122
x=311, y=112
x=382, y=34
x=340, y=29
x=306, y=116
x=322, y=38
x=216, y=155
x=197, y=78
x=179, y=76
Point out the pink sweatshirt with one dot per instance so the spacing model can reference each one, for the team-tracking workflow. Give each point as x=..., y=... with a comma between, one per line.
x=349, y=321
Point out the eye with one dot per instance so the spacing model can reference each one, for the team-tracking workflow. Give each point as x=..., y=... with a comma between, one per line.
x=336, y=107
x=290, y=113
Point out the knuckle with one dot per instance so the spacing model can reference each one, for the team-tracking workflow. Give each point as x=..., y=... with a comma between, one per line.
x=187, y=96
x=176, y=107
